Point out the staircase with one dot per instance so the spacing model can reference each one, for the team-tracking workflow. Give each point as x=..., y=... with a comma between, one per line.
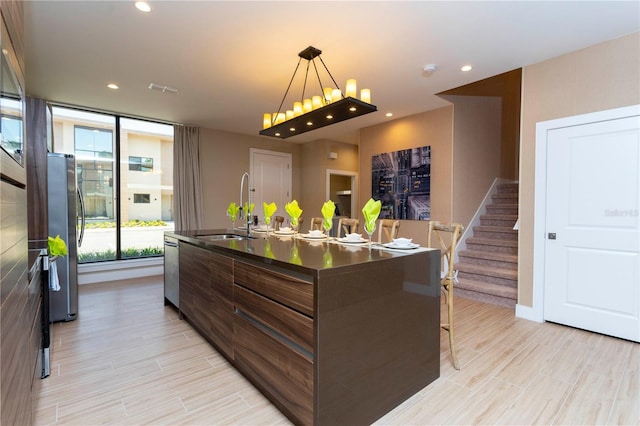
x=488, y=265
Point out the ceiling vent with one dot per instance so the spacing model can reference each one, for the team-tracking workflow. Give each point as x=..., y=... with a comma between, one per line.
x=164, y=89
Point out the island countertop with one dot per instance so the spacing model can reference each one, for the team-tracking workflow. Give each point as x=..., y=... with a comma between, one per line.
x=301, y=254
x=330, y=333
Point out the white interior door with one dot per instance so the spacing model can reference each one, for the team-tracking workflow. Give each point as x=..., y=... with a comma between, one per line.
x=592, y=253
x=271, y=180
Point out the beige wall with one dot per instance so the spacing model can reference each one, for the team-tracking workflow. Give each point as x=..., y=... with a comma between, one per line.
x=224, y=157
x=434, y=128
x=597, y=78
x=476, y=152
x=315, y=163
x=601, y=77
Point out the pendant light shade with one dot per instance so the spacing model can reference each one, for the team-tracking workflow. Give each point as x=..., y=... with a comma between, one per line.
x=326, y=107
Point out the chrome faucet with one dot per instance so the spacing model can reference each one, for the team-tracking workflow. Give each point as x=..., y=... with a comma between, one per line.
x=246, y=175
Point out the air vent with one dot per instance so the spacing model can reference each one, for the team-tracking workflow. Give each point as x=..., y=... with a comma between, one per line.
x=162, y=88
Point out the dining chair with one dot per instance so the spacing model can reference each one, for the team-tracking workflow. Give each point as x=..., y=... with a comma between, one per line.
x=277, y=222
x=446, y=236
x=388, y=228
x=316, y=223
x=347, y=226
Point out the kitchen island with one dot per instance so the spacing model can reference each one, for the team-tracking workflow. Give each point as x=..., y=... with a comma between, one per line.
x=332, y=334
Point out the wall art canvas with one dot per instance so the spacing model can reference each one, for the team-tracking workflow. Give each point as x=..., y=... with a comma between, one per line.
x=401, y=180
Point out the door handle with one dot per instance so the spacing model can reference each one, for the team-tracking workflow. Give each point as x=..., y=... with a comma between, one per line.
x=551, y=235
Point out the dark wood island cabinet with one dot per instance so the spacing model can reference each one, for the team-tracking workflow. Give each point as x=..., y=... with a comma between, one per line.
x=331, y=334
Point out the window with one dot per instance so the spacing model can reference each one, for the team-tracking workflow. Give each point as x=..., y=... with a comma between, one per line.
x=126, y=211
x=94, y=164
x=140, y=164
x=142, y=198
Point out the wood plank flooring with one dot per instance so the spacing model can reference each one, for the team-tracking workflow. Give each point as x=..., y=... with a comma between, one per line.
x=129, y=360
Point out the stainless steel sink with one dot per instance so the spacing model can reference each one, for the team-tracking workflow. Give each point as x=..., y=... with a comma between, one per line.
x=221, y=237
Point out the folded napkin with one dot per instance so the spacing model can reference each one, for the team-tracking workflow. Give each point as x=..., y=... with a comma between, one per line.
x=294, y=211
x=371, y=211
x=232, y=211
x=269, y=210
x=248, y=210
x=57, y=246
x=328, y=209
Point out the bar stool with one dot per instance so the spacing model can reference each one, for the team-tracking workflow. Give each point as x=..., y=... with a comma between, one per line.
x=277, y=222
x=347, y=226
x=447, y=236
x=390, y=227
x=316, y=223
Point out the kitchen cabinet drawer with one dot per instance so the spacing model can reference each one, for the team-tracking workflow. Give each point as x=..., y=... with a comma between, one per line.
x=292, y=292
x=286, y=376
x=206, y=294
x=294, y=326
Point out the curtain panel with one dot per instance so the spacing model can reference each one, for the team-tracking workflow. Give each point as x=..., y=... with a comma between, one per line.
x=187, y=188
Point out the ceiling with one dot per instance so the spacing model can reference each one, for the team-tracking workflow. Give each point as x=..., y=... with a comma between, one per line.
x=232, y=60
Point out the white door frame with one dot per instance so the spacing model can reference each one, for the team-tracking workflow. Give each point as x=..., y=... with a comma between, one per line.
x=536, y=312
x=354, y=188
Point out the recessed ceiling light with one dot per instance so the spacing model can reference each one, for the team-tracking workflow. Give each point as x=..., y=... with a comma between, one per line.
x=143, y=6
x=389, y=114
x=466, y=68
x=112, y=86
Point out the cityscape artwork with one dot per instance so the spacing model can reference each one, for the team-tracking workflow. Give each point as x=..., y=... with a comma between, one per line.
x=401, y=180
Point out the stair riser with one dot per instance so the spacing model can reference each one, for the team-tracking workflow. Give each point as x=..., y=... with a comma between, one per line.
x=489, y=262
x=492, y=248
x=489, y=221
x=487, y=279
x=508, y=236
x=509, y=188
x=500, y=209
x=504, y=199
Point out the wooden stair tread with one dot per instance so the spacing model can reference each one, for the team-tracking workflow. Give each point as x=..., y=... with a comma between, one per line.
x=492, y=242
x=503, y=216
x=487, y=270
x=492, y=228
x=489, y=255
x=486, y=288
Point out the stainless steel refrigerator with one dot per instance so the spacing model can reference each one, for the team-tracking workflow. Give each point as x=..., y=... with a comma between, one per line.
x=65, y=206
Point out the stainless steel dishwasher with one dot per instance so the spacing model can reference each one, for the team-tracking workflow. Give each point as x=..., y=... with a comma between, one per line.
x=171, y=271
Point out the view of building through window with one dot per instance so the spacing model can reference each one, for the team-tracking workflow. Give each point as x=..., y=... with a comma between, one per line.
x=143, y=189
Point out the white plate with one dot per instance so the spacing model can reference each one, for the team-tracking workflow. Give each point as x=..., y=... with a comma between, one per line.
x=261, y=229
x=284, y=232
x=347, y=241
x=314, y=237
x=403, y=247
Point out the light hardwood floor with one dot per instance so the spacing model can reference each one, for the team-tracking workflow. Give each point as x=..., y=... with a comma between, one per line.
x=129, y=360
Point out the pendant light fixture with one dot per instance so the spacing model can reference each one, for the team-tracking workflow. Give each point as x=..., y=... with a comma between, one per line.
x=327, y=106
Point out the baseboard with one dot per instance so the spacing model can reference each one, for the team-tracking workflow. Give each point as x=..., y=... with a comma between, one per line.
x=529, y=313
x=92, y=273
